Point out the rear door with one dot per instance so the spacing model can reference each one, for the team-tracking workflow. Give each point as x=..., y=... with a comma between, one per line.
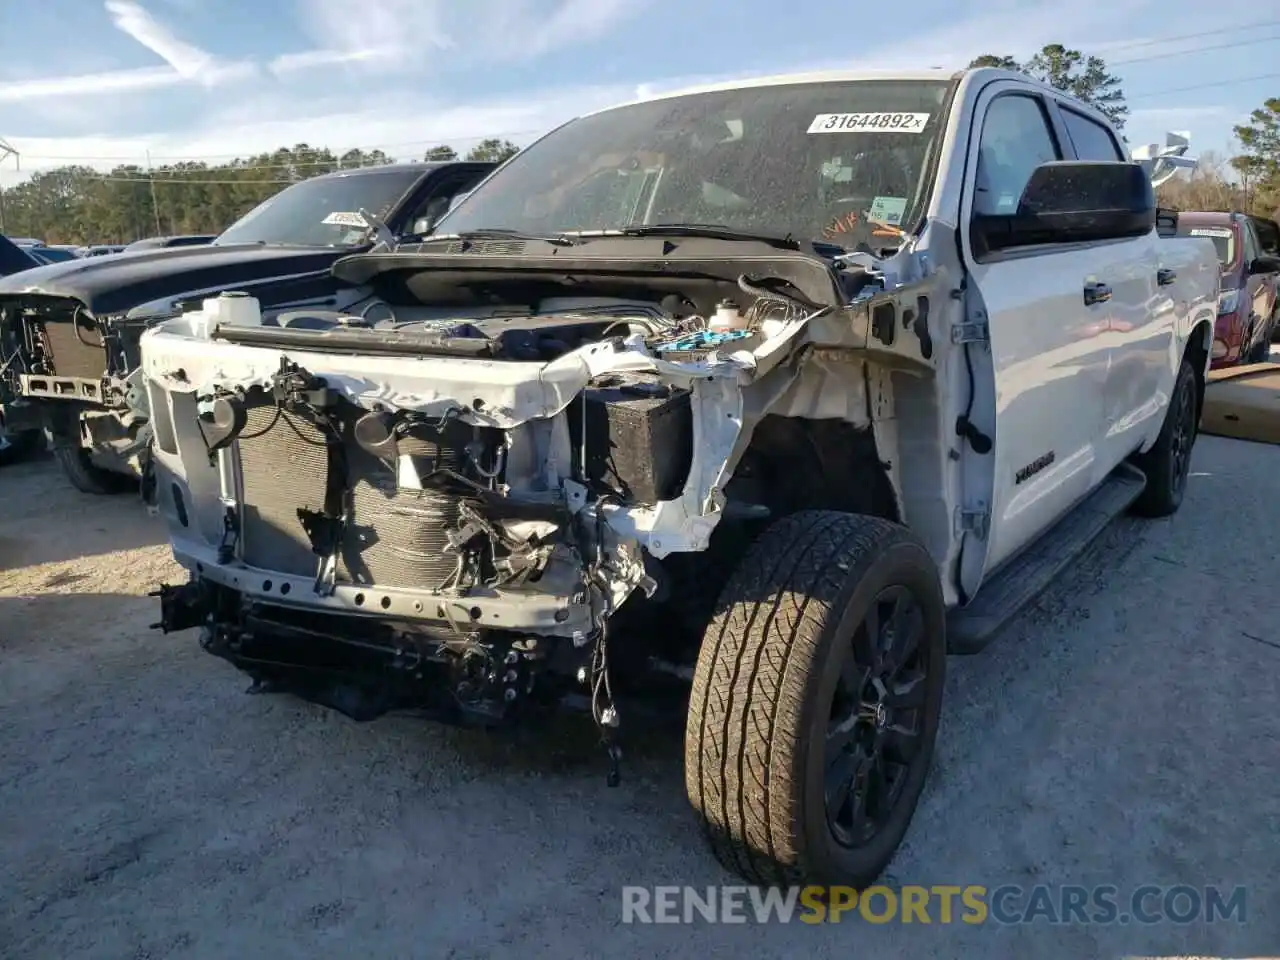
x=1048, y=346
x=1259, y=289
x=1141, y=313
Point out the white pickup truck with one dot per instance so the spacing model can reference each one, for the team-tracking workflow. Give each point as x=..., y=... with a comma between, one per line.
x=788, y=387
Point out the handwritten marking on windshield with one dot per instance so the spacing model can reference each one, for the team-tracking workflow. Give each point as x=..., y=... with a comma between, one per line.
x=869, y=123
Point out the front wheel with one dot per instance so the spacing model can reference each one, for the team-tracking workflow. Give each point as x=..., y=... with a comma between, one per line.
x=18, y=446
x=85, y=476
x=816, y=700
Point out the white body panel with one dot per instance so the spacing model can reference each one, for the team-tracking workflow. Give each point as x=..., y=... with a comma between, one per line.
x=1085, y=385
x=1061, y=385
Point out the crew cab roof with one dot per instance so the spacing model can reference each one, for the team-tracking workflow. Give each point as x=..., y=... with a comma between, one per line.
x=422, y=166
x=979, y=75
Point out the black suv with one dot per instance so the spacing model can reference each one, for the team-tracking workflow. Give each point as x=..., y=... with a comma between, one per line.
x=71, y=330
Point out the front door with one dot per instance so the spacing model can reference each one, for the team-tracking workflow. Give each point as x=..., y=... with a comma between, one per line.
x=1048, y=311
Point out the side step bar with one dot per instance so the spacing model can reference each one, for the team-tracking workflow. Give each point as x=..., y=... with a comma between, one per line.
x=1017, y=583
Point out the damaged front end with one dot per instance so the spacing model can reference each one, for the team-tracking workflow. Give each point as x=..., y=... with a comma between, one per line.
x=479, y=509
x=77, y=376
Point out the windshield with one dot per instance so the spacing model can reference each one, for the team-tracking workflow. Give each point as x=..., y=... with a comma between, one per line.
x=1224, y=239
x=846, y=162
x=324, y=212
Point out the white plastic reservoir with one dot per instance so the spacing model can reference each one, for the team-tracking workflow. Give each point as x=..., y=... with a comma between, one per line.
x=232, y=308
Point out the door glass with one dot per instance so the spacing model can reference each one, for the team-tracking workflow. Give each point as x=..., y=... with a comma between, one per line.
x=1016, y=138
x=1092, y=140
x=1250, y=242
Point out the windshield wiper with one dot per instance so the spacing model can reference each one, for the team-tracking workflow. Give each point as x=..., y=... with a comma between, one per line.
x=503, y=233
x=712, y=231
x=382, y=235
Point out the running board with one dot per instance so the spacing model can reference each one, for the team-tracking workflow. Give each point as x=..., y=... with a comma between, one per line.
x=971, y=628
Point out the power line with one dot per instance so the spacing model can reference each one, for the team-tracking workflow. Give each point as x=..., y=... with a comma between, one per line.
x=1200, y=86
x=1183, y=53
x=1153, y=41
x=1122, y=45
x=385, y=148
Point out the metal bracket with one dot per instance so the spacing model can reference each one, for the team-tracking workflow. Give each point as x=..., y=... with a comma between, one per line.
x=976, y=521
x=977, y=332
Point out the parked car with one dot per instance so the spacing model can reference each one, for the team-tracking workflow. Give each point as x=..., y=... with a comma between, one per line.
x=164, y=243
x=1248, y=310
x=75, y=326
x=103, y=250
x=781, y=386
x=14, y=259
x=46, y=255
x=27, y=241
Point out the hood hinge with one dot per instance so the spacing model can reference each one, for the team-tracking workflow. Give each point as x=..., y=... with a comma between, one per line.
x=976, y=332
x=975, y=520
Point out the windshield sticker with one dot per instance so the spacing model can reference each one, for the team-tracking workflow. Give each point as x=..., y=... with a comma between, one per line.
x=842, y=224
x=887, y=210
x=345, y=220
x=869, y=123
x=1211, y=232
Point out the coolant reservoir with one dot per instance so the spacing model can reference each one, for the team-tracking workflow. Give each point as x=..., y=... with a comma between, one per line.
x=727, y=317
x=226, y=309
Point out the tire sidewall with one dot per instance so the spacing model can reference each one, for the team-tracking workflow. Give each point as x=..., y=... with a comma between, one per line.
x=1177, y=485
x=907, y=564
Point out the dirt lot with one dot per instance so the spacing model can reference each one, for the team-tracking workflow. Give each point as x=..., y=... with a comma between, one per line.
x=1125, y=731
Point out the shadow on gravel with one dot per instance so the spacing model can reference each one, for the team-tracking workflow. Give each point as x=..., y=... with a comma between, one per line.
x=105, y=531
x=48, y=522
x=47, y=621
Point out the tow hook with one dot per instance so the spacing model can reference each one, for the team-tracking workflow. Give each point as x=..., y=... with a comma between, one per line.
x=182, y=607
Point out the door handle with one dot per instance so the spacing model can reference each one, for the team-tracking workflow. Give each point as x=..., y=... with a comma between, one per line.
x=1096, y=293
x=1165, y=276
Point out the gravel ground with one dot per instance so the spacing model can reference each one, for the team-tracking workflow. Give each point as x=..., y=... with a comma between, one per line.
x=1124, y=731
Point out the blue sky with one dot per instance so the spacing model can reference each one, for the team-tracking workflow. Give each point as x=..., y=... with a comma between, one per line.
x=105, y=82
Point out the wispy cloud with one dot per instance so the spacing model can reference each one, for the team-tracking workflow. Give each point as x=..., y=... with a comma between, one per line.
x=184, y=63
x=187, y=60
x=406, y=31
x=402, y=125
x=116, y=81
x=414, y=38
x=288, y=63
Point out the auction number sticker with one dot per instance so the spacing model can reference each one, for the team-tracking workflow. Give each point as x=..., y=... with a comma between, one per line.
x=869, y=123
x=1211, y=232
x=887, y=210
x=345, y=220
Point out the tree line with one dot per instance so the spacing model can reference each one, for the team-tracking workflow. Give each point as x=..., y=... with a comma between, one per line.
x=78, y=204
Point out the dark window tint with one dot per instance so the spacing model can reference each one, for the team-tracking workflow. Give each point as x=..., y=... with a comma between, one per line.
x=324, y=212
x=1015, y=140
x=1092, y=140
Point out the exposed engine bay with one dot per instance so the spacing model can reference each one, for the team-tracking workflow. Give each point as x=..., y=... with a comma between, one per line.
x=462, y=504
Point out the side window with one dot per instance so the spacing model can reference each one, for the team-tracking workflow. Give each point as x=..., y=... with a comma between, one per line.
x=428, y=210
x=1250, y=242
x=1092, y=140
x=1016, y=138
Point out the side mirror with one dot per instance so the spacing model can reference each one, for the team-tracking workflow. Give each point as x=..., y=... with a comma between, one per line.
x=1264, y=264
x=1073, y=201
x=423, y=225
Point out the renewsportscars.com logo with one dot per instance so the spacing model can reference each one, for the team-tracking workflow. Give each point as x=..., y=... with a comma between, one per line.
x=941, y=904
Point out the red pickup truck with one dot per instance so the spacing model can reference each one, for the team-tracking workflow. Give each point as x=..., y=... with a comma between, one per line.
x=1249, y=251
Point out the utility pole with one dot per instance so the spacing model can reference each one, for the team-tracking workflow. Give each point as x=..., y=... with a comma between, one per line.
x=154, y=206
x=7, y=151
